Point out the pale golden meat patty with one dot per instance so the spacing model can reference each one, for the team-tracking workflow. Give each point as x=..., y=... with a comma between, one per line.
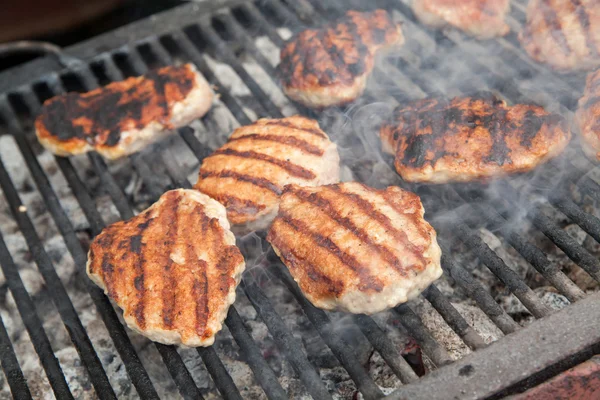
x=588, y=117
x=563, y=33
x=437, y=140
x=124, y=117
x=249, y=172
x=354, y=248
x=483, y=19
x=173, y=269
x=329, y=66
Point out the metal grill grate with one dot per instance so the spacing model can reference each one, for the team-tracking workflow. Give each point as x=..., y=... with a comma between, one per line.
x=227, y=36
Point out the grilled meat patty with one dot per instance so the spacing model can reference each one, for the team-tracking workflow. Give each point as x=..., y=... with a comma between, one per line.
x=354, y=248
x=329, y=66
x=587, y=117
x=124, y=117
x=248, y=173
x=471, y=138
x=483, y=19
x=173, y=269
x=561, y=33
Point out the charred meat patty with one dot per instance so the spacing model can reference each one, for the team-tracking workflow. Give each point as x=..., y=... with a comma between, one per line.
x=483, y=19
x=561, y=33
x=588, y=117
x=354, y=248
x=471, y=138
x=249, y=172
x=124, y=117
x=173, y=269
x=329, y=66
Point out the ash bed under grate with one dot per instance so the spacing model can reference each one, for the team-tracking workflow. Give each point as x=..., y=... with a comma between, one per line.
x=515, y=251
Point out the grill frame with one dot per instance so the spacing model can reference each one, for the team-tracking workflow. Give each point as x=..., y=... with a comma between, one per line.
x=149, y=33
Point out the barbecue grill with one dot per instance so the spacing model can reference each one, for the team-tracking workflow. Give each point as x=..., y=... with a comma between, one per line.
x=234, y=44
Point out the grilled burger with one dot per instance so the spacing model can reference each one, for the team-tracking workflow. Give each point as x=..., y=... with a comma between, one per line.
x=354, y=248
x=173, y=269
x=587, y=117
x=437, y=140
x=329, y=66
x=483, y=19
x=248, y=173
x=124, y=117
x=561, y=33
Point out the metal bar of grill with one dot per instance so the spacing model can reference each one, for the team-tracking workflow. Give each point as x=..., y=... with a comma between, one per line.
x=11, y=367
x=224, y=36
x=32, y=322
x=63, y=303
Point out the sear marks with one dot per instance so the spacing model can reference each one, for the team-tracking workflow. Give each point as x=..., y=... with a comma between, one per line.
x=438, y=140
x=329, y=65
x=120, y=118
x=354, y=248
x=483, y=19
x=173, y=269
x=561, y=33
x=248, y=174
x=587, y=117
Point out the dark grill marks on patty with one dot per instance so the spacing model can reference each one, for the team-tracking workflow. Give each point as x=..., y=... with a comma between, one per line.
x=368, y=282
x=287, y=140
x=260, y=182
x=100, y=116
x=476, y=135
x=554, y=26
x=584, y=21
x=292, y=169
x=294, y=261
x=370, y=210
x=166, y=265
x=327, y=207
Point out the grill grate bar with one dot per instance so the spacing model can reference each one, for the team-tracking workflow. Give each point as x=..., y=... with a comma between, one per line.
x=531, y=253
x=588, y=222
x=175, y=365
x=32, y=322
x=453, y=318
x=414, y=326
x=563, y=240
x=181, y=42
x=384, y=347
x=264, y=374
x=219, y=374
x=476, y=291
x=61, y=299
x=11, y=367
x=510, y=278
x=286, y=342
x=339, y=347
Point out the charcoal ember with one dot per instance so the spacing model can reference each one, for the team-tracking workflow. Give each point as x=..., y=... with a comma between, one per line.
x=552, y=298
x=476, y=318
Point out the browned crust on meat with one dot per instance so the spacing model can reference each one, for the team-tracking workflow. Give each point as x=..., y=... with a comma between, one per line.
x=562, y=34
x=587, y=116
x=470, y=138
x=480, y=18
x=99, y=117
x=248, y=173
x=137, y=262
x=339, y=53
x=314, y=228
